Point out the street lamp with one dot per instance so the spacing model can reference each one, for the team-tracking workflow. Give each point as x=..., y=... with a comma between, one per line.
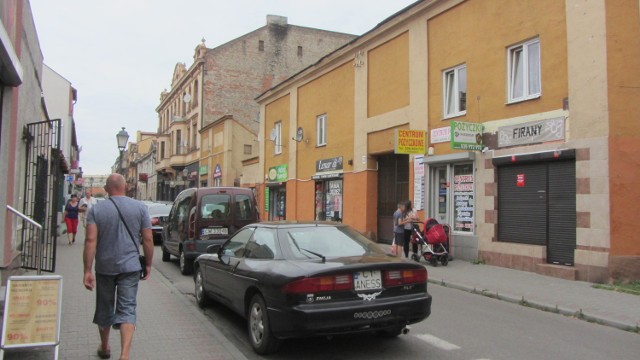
x=122, y=137
x=91, y=184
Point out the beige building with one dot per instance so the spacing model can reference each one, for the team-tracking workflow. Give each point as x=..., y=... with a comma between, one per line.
x=217, y=91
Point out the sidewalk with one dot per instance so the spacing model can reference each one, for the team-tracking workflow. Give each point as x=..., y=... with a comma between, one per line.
x=571, y=298
x=169, y=325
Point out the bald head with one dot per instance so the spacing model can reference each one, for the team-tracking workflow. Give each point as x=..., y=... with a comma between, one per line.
x=116, y=185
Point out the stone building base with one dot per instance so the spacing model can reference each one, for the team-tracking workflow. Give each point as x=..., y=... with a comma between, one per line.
x=624, y=268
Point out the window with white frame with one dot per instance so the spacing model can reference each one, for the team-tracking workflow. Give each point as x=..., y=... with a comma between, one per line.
x=277, y=141
x=455, y=91
x=523, y=61
x=321, y=130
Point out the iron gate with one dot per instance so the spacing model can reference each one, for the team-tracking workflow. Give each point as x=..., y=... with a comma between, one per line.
x=42, y=179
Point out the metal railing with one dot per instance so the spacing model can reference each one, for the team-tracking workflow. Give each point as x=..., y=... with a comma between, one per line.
x=40, y=236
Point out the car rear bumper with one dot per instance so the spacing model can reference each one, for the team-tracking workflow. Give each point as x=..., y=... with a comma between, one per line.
x=350, y=317
x=194, y=248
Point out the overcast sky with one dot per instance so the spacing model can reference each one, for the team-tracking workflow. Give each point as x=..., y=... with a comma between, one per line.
x=120, y=54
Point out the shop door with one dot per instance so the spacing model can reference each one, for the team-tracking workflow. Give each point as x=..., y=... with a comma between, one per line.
x=277, y=204
x=393, y=187
x=537, y=205
x=440, y=191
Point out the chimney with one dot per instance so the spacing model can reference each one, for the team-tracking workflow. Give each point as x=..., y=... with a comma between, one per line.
x=276, y=20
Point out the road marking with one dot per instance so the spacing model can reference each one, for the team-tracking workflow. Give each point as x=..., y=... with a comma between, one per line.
x=437, y=342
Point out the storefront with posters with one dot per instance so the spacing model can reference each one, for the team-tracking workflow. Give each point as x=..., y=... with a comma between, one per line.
x=275, y=193
x=329, y=189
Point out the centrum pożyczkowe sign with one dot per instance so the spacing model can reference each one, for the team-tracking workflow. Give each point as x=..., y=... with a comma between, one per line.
x=531, y=132
x=411, y=142
x=466, y=135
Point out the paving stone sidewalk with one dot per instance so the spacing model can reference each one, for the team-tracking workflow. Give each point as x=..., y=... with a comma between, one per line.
x=169, y=325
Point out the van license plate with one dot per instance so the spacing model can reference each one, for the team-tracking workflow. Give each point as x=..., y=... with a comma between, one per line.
x=215, y=231
x=367, y=280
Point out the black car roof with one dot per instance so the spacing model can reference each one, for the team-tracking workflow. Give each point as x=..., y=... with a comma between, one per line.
x=296, y=224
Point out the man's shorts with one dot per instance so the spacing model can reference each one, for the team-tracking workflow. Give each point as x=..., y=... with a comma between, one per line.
x=116, y=299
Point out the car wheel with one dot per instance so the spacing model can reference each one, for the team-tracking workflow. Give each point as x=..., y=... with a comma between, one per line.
x=166, y=256
x=202, y=298
x=260, y=336
x=186, y=266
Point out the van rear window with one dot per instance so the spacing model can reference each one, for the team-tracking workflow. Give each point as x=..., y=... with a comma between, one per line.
x=215, y=206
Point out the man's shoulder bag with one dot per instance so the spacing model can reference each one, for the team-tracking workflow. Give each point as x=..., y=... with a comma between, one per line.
x=143, y=261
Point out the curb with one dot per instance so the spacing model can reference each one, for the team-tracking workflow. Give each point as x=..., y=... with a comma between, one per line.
x=202, y=318
x=579, y=314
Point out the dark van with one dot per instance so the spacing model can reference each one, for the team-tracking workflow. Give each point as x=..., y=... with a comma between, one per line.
x=202, y=217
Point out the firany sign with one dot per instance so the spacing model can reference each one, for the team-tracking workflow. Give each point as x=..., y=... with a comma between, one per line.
x=466, y=135
x=531, y=132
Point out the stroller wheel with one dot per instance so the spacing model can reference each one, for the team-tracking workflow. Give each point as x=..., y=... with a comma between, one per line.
x=415, y=257
x=433, y=261
x=445, y=260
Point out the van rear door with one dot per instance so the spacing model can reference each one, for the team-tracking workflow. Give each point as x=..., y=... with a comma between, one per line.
x=215, y=217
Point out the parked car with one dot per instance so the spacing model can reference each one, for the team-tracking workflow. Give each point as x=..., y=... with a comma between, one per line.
x=202, y=217
x=159, y=215
x=293, y=280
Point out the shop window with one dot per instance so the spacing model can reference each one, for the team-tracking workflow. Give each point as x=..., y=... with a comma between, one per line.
x=463, y=194
x=328, y=200
x=321, y=128
x=524, y=71
x=277, y=141
x=455, y=91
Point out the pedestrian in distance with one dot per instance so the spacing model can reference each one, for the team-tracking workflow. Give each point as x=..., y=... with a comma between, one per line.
x=398, y=230
x=409, y=217
x=85, y=205
x=113, y=243
x=70, y=217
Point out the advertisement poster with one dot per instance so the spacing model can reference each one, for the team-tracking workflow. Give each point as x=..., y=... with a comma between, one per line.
x=411, y=142
x=418, y=183
x=32, y=311
x=464, y=203
x=466, y=136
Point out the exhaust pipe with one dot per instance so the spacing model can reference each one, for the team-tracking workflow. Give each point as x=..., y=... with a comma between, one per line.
x=406, y=330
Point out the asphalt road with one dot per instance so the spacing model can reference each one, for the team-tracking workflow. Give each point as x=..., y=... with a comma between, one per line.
x=462, y=326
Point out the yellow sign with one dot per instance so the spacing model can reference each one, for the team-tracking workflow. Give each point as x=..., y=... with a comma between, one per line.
x=32, y=311
x=411, y=142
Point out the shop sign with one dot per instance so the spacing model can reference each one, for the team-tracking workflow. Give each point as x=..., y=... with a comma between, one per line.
x=278, y=173
x=410, y=142
x=466, y=135
x=204, y=169
x=441, y=135
x=327, y=176
x=217, y=172
x=266, y=198
x=531, y=132
x=464, y=202
x=332, y=164
x=418, y=183
x=520, y=180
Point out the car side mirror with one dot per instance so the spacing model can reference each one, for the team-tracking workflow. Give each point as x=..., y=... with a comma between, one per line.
x=213, y=249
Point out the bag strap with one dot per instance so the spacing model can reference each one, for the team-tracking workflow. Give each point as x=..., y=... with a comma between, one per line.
x=125, y=226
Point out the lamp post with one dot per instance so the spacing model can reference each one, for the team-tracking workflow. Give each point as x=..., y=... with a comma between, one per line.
x=91, y=184
x=122, y=137
x=185, y=175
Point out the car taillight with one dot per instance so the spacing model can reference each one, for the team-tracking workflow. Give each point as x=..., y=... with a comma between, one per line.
x=405, y=277
x=319, y=284
x=155, y=221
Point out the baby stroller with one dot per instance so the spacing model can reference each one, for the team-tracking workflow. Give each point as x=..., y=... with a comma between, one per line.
x=432, y=243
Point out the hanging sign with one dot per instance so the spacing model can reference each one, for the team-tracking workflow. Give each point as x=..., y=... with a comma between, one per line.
x=520, y=180
x=278, y=173
x=466, y=136
x=32, y=311
x=410, y=142
x=204, y=169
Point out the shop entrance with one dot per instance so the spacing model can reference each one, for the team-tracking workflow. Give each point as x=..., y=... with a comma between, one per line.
x=393, y=187
x=328, y=201
x=277, y=203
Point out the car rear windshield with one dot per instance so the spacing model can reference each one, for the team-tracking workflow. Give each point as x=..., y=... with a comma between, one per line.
x=328, y=241
x=160, y=210
x=215, y=206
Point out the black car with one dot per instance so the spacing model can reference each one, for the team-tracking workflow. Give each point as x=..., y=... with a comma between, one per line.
x=159, y=214
x=294, y=280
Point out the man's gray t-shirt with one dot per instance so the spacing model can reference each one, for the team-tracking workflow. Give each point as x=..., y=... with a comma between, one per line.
x=115, y=252
x=397, y=217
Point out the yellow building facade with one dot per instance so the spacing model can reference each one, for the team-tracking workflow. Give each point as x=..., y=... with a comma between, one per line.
x=526, y=112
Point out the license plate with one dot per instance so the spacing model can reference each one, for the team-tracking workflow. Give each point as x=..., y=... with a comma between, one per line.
x=215, y=231
x=367, y=280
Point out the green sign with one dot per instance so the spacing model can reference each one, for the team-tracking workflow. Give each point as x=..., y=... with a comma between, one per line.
x=204, y=169
x=466, y=136
x=279, y=173
x=266, y=198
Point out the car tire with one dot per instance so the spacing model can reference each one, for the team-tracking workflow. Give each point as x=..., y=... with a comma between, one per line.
x=262, y=340
x=202, y=298
x=166, y=256
x=186, y=265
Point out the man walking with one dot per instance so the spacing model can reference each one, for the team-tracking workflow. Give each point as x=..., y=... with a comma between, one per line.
x=86, y=203
x=117, y=269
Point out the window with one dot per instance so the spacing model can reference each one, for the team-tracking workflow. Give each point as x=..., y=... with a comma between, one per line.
x=262, y=246
x=321, y=128
x=455, y=91
x=277, y=141
x=195, y=136
x=463, y=193
x=299, y=50
x=215, y=206
x=178, y=141
x=194, y=101
x=236, y=245
x=162, y=150
x=261, y=45
x=247, y=149
x=524, y=71
x=244, y=210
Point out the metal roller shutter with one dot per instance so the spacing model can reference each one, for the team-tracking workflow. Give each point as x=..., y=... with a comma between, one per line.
x=522, y=210
x=562, y=213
